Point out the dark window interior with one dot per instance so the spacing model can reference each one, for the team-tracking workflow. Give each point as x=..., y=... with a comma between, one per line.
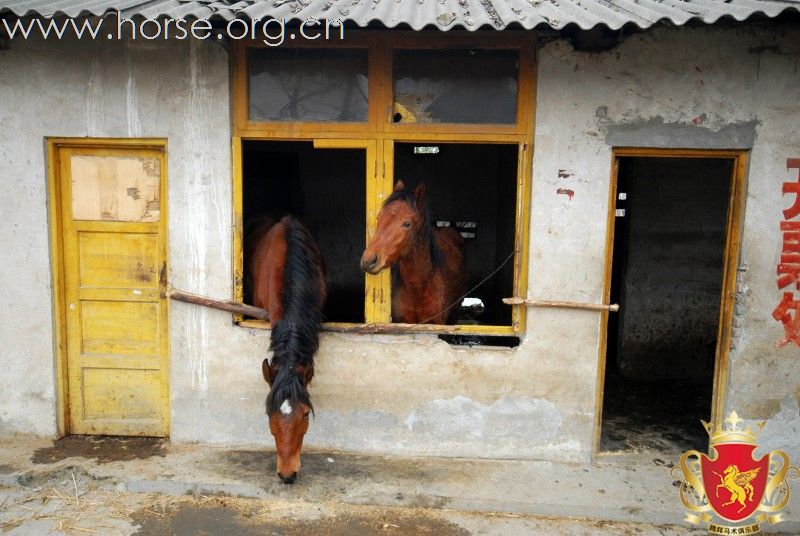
x=481, y=340
x=470, y=184
x=667, y=277
x=327, y=189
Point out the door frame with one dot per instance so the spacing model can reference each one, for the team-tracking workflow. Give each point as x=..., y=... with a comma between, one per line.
x=56, y=239
x=730, y=266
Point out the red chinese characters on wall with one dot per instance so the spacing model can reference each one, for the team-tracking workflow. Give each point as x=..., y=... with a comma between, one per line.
x=788, y=310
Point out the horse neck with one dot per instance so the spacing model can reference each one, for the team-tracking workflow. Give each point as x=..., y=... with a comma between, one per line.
x=416, y=268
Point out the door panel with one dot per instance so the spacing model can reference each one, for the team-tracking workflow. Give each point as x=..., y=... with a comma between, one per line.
x=106, y=328
x=114, y=244
x=135, y=258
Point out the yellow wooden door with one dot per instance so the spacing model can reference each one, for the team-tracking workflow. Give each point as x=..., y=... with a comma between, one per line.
x=113, y=224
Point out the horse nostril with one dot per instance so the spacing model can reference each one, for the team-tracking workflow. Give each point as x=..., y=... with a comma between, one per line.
x=288, y=479
x=366, y=264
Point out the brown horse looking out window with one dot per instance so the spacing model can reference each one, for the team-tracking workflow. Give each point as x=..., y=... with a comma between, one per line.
x=427, y=262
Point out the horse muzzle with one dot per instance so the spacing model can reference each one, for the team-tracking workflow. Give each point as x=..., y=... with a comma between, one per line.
x=290, y=479
x=371, y=265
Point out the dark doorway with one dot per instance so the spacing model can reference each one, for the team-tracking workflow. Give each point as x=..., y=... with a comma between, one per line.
x=667, y=274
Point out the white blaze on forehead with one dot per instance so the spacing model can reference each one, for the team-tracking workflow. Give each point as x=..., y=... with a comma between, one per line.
x=286, y=407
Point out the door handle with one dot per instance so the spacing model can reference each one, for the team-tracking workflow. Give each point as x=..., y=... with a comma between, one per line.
x=162, y=280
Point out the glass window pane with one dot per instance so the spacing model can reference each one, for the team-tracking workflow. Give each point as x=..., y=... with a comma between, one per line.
x=307, y=85
x=455, y=86
x=115, y=188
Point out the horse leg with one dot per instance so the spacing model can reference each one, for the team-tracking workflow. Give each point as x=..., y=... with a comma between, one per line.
x=741, y=501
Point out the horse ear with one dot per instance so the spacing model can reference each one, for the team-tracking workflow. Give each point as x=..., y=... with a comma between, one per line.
x=306, y=372
x=399, y=185
x=419, y=192
x=266, y=370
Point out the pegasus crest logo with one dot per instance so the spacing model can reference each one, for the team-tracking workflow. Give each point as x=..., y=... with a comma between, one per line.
x=727, y=490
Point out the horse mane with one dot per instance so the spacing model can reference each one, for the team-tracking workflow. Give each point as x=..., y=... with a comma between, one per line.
x=295, y=337
x=426, y=229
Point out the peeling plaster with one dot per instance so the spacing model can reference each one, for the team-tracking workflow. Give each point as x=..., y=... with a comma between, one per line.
x=740, y=305
x=207, y=198
x=782, y=430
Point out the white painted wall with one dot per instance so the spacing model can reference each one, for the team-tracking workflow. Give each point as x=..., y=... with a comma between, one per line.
x=406, y=394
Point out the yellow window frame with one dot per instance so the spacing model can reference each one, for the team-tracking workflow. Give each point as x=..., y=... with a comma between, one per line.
x=377, y=137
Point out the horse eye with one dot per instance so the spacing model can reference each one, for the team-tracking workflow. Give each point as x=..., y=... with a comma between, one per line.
x=406, y=224
x=305, y=415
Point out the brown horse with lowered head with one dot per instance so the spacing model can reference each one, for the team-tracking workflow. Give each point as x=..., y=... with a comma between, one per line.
x=288, y=280
x=427, y=262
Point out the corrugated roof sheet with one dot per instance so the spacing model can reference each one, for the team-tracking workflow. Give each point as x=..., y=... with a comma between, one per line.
x=418, y=14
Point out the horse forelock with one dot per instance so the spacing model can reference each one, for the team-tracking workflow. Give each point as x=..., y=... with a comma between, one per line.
x=287, y=389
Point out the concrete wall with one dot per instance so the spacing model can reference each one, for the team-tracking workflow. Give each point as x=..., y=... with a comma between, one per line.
x=407, y=394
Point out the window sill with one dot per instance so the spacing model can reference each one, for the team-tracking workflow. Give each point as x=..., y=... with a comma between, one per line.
x=397, y=329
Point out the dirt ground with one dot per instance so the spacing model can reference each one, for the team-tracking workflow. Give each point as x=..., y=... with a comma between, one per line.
x=57, y=508
x=634, y=420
